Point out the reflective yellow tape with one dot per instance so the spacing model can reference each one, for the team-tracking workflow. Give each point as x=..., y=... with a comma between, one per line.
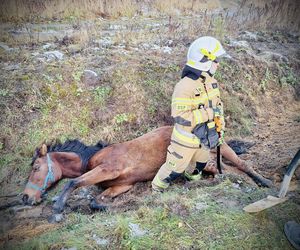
x=217, y=48
x=182, y=100
x=211, y=124
x=160, y=183
x=190, y=101
x=213, y=94
x=191, y=62
x=198, y=116
x=191, y=140
x=208, y=54
x=211, y=55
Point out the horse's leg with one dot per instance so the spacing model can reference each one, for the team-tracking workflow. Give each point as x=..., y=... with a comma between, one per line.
x=110, y=192
x=94, y=176
x=114, y=191
x=230, y=155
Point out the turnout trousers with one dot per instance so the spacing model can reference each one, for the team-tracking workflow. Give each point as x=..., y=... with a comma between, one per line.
x=180, y=158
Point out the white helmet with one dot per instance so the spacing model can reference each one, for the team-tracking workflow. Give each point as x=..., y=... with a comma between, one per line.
x=203, y=52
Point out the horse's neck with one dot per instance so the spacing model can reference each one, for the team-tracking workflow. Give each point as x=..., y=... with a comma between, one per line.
x=69, y=163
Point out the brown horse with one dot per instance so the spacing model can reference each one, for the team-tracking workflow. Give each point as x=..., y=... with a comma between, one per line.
x=116, y=168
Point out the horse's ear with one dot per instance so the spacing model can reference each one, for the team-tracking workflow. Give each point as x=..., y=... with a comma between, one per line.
x=43, y=150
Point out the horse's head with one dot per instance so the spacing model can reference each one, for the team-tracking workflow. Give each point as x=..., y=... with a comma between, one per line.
x=44, y=173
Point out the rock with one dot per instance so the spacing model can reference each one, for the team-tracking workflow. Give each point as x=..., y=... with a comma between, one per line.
x=90, y=78
x=5, y=47
x=55, y=218
x=105, y=42
x=145, y=46
x=170, y=43
x=155, y=47
x=100, y=241
x=239, y=44
x=54, y=55
x=71, y=248
x=12, y=67
x=167, y=50
x=136, y=231
x=272, y=56
x=47, y=46
x=236, y=185
x=248, y=36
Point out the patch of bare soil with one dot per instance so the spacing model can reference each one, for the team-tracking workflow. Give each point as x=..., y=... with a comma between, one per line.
x=277, y=138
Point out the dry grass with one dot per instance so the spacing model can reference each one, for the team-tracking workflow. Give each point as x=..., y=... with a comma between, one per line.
x=19, y=9
x=175, y=7
x=239, y=13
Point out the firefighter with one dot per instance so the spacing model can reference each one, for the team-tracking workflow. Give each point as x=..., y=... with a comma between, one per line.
x=198, y=114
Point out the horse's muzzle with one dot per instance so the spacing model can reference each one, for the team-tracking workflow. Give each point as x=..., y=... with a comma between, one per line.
x=28, y=201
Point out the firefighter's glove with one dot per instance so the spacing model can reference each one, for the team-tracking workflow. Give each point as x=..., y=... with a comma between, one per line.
x=218, y=123
x=201, y=132
x=212, y=135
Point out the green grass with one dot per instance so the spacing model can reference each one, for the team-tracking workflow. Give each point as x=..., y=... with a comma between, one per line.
x=240, y=118
x=219, y=225
x=287, y=76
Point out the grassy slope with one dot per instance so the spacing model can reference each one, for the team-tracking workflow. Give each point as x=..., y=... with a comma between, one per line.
x=44, y=101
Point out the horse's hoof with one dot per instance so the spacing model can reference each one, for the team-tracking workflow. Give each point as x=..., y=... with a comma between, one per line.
x=55, y=218
x=266, y=183
x=97, y=207
x=57, y=208
x=55, y=198
x=263, y=182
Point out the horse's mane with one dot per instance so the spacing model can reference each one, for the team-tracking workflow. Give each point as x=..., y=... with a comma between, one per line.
x=83, y=151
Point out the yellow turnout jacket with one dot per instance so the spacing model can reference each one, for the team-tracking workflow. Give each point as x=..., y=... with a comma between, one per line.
x=195, y=102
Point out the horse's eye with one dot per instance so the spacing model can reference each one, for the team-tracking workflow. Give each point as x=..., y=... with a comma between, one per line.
x=36, y=167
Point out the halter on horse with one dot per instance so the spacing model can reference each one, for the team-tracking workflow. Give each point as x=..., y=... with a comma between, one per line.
x=50, y=178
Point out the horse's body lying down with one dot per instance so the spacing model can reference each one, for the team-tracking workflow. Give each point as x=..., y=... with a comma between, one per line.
x=116, y=168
